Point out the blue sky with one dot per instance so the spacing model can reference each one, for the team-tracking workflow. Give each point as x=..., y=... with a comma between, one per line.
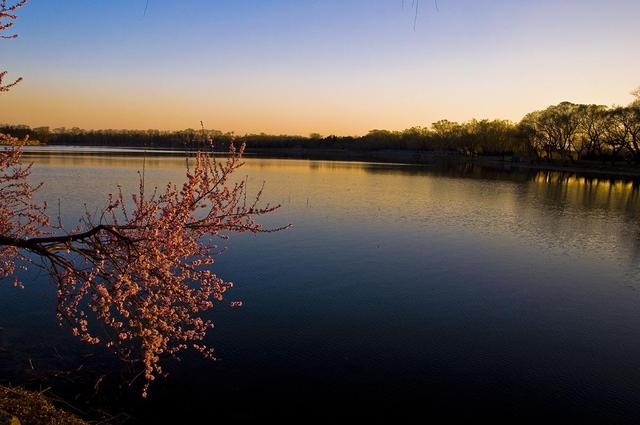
x=327, y=66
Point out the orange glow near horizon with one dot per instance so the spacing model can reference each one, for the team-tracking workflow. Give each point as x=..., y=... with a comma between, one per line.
x=343, y=69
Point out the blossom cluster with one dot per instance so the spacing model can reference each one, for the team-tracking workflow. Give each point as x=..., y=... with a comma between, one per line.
x=20, y=216
x=7, y=18
x=145, y=272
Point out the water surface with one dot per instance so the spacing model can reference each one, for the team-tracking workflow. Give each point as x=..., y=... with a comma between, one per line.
x=433, y=290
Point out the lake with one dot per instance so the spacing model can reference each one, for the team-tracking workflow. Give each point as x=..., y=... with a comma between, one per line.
x=455, y=291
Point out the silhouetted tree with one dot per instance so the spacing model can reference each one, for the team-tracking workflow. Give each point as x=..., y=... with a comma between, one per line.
x=594, y=121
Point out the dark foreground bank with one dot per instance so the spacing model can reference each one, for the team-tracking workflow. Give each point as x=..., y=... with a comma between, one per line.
x=22, y=407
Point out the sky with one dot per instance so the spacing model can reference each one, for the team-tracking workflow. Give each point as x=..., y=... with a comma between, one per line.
x=299, y=66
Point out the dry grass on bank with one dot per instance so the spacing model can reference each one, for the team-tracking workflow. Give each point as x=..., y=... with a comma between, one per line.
x=32, y=408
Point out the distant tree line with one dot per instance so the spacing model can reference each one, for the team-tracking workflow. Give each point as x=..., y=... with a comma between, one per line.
x=566, y=132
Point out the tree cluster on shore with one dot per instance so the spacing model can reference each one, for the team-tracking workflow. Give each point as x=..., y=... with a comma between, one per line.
x=567, y=132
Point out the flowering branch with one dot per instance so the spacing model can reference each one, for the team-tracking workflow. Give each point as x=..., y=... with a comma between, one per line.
x=7, y=18
x=141, y=268
x=20, y=217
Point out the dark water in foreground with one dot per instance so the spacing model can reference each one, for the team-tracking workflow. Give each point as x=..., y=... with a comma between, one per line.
x=459, y=292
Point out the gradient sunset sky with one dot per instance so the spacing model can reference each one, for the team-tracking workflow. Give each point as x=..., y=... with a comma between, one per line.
x=300, y=66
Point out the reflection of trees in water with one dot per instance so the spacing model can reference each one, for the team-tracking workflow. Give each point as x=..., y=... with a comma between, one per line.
x=453, y=169
x=584, y=212
x=557, y=210
x=504, y=173
x=565, y=189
